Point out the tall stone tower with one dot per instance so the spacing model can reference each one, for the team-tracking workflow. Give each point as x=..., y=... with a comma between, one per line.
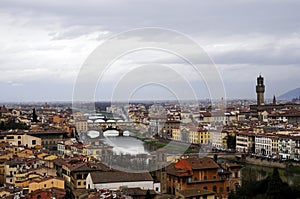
x=260, y=90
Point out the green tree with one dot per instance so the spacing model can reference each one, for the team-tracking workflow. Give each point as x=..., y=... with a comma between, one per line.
x=277, y=189
x=270, y=188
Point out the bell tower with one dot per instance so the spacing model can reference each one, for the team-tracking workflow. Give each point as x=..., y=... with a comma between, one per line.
x=260, y=90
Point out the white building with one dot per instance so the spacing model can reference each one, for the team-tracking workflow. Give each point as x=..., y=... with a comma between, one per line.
x=286, y=147
x=218, y=138
x=245, y=142
x=263, y=145
x=81, y=125
x=113, y=180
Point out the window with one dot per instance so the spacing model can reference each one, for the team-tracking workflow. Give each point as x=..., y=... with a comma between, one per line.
x=215, y=189
x=195, y=178
x=227, y=189
x=205, y=177
x=19, y=137
x=33, y=142
x=78, y=183
x=236, y=174
x=236, y=186
x=84, y=183
x=221, y=189
x=45, y=185
x=79, y=176
x=19, y=143
x=39, y=197
x=214, y=177
x=205, y=188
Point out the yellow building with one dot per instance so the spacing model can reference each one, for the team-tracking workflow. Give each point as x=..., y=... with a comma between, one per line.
x=199, y=136
x=4, y=192
x=21, y=140
x=194, y=136
x=47, y=183
x=24, y=179
x=5, y=155
x=176, y=134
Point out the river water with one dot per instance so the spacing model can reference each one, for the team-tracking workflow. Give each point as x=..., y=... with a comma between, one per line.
x=125, y=145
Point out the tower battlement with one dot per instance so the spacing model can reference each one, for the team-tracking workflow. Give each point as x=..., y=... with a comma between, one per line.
x=260, y=90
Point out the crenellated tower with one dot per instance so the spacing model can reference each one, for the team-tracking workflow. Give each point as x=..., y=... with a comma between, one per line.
x=260, y=90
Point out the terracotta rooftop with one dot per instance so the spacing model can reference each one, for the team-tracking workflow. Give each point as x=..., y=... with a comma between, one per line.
x=137, y=191
x=118, y=176
x=195, y=193
x=185, y=167
x=88, y=166
x=202, y=163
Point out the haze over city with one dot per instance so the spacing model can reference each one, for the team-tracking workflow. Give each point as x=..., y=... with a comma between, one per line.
x=44, y=44
x=131, y=99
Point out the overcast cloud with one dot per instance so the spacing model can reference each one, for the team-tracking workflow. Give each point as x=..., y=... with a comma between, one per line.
x=44, y=43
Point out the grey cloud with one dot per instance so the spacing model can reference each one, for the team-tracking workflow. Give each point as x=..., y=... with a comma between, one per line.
x=193, y=16
x=71, y=30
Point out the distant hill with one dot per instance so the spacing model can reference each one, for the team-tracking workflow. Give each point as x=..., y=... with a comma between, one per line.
x=290, y=94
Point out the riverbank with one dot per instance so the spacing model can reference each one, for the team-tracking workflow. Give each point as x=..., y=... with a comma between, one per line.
x=252, y=173
x=155, y=144
x=286, y=165
x=265, y=163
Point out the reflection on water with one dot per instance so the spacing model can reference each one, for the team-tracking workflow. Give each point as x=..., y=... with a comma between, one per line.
x=124, y=144
x=93, y=134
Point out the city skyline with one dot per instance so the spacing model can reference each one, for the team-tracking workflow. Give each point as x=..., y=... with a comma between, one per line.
x=45, y=44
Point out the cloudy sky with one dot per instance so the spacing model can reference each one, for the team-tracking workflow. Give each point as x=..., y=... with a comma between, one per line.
x=44, y=44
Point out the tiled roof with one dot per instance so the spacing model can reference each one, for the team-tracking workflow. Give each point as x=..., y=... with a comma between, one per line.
x=137, y=191
x=202, y=163
x=195, y=192
x=88, y=166
x=185, y=167
x=118, y=176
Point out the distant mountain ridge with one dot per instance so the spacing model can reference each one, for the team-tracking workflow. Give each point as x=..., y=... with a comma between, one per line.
x=292, y=94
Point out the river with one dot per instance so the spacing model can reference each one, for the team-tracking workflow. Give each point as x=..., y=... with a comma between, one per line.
x=125, y=145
